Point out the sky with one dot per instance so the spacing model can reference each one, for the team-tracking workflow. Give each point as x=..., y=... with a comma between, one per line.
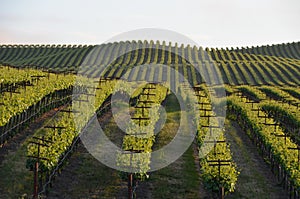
x=210, y=23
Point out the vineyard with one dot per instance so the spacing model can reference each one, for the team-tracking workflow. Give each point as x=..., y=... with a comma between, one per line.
x=238, y=107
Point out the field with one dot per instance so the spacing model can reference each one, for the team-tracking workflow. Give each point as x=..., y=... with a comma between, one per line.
x=234, y=113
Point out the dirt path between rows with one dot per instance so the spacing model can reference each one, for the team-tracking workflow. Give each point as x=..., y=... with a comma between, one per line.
x=14, y=143
x=86, y=177
x=181, y=179
x=256, y=179
x=15, y=179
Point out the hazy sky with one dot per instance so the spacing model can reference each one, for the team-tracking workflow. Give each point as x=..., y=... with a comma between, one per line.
x=210, y=23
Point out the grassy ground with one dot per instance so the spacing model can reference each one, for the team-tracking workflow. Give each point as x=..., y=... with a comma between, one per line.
x=181, y=178
x=16, y=181
x=178, y=180
x=255, y=179
x=85, y=177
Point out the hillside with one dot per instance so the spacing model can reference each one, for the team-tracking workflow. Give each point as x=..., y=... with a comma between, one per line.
x=288, y=50
x=271, y=65
x=242, y=145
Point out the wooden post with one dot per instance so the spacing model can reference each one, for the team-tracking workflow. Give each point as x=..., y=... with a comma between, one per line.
x=143, y=108
x=208, y=117
x=37, y=78
x=36, y=174
x=130, y=185
x=205, y=111
x=140, y=119
x=147, y=94
x=220, y=163
x=131, y=182
x=215, y=144
x=222, y=192
x=146, y=101
x=36, y=165
x=210, y=128
x=202, y=105
x=55, y=127
x=252, y=103
x=80, y=100
x=69, y=112
x=11, y=90
x=280, y=135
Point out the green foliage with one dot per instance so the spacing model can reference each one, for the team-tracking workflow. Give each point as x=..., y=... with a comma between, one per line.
x=140, y=136
x=250, y=93
x=62, y=139
x=17, y=103
x=210, y=174
x=288, y=116
x=252, y=124
x=235, y=67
